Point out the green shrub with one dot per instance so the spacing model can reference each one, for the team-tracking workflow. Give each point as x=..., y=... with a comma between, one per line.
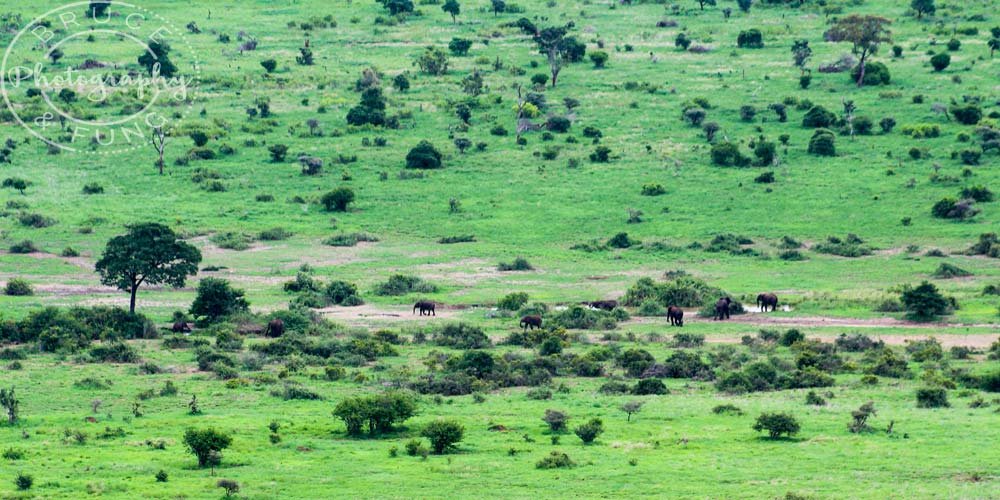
x=443, y=434
x=823, y=143
x=932, y=397
x=401, y=284
x=424, y=156
x=777, y=424
x=18, y=287
x=818, y=117
x=589, y=431
x=555, y=460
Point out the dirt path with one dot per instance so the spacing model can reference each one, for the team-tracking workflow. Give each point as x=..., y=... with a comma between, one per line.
x=979, y=341
x=364, y=314
x=757, y=318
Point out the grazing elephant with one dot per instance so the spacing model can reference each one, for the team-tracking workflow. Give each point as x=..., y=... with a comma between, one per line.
x=180, y=327
x=722, y=308
x=767, y=299
x=531, y=322
x=275, y=328
x=676, y=316
x=604, y=305
x=426, y=307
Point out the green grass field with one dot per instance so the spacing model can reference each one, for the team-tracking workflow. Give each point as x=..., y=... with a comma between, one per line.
x=541, y=199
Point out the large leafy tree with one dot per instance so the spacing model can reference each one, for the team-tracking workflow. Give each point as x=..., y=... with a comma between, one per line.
x=558, y=48
x=923, y=7
x=156, y=60
x=866, y=33
x=147, y=253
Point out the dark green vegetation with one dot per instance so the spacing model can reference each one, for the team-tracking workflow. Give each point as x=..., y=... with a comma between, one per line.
x=505, y=160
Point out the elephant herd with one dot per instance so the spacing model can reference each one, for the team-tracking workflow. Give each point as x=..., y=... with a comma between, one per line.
x=675, y=314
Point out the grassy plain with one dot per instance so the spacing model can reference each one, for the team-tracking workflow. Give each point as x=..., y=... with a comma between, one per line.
x=517, y=204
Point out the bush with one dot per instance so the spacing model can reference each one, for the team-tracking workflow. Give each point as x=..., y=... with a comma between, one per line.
x=423, y=156
x=338, y=199
x=727, y=409
x=948, y=271
x=940, y=61
x=823, y=143
x=23, y=247
x=555, y=460
x=818, y=117
x=462, y=336
x=649, y=386
x=750, y=39
x=776, y=424
x=635, y=361
x=556, y=420
x=727, y=154
x=790, y=337
x=968, y=114
x=950, y=208
x=23, y=481
x=401, y=284
x=589, y=431
x=932, y=397
x=924, y=302
x=18, y=287
x=206, y=445
x=459, y=46
x=443, y=434
x=519, y=264
x=876, y=73
x=512, y=301
x=379, y=413
x=216, y=299
x=278, y=152
x=93, y=188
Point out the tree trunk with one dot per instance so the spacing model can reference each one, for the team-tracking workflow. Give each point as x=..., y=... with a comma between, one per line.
x=131, y=303
x=861, y=74
x=555, y=76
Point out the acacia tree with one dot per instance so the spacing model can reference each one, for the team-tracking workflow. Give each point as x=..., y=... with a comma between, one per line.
x=498, y=6
x=702, y=3
x=557, y=47
x=452, y=7
x=801, y=52
x=10, y=404
x=866, y=33
x=923, y=7
x=148, y=253
x=158, y=139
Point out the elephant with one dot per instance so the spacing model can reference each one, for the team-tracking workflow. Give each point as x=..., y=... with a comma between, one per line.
x=767, y=299
x=426, y=307
x=532, y=322
x=722, y=308
x=604, y=305
x=180, y=327
x=676, y=316
x=275, y=328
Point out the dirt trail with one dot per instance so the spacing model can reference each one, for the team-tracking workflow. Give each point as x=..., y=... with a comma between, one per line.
x=979, y=340
x=362, y=315
x=757, y=318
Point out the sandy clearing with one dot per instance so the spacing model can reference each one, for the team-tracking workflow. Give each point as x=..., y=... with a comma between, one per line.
x=363, y=315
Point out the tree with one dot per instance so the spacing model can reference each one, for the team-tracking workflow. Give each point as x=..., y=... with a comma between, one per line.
x=865, y=33
x=398, y=6
x=156, y=60
x=98, y=8
x=860, y=417
x=158, y=139
x=206, y=443
x=147, y=253
x=10, y=404
x=498, y=6
x=371, y=109
x=452, y=7
x=801, y=52
x=556, y=419
x=216, y=299
x=55, y=55
x=599, y=58
x=443, y=434
x=744, y=5
x=940, y=61
x=278, y=152
x=703, y=3
x=923, y=7
x=424, y=156
x=558, y=48
x=379, y=412
x=459, y=46
x=433, y=61
x=269, y=65
x=231, y=486
x=776, y=424
x=589, y=431
x=338, y=199
x=924, y=302
x=632, y=407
